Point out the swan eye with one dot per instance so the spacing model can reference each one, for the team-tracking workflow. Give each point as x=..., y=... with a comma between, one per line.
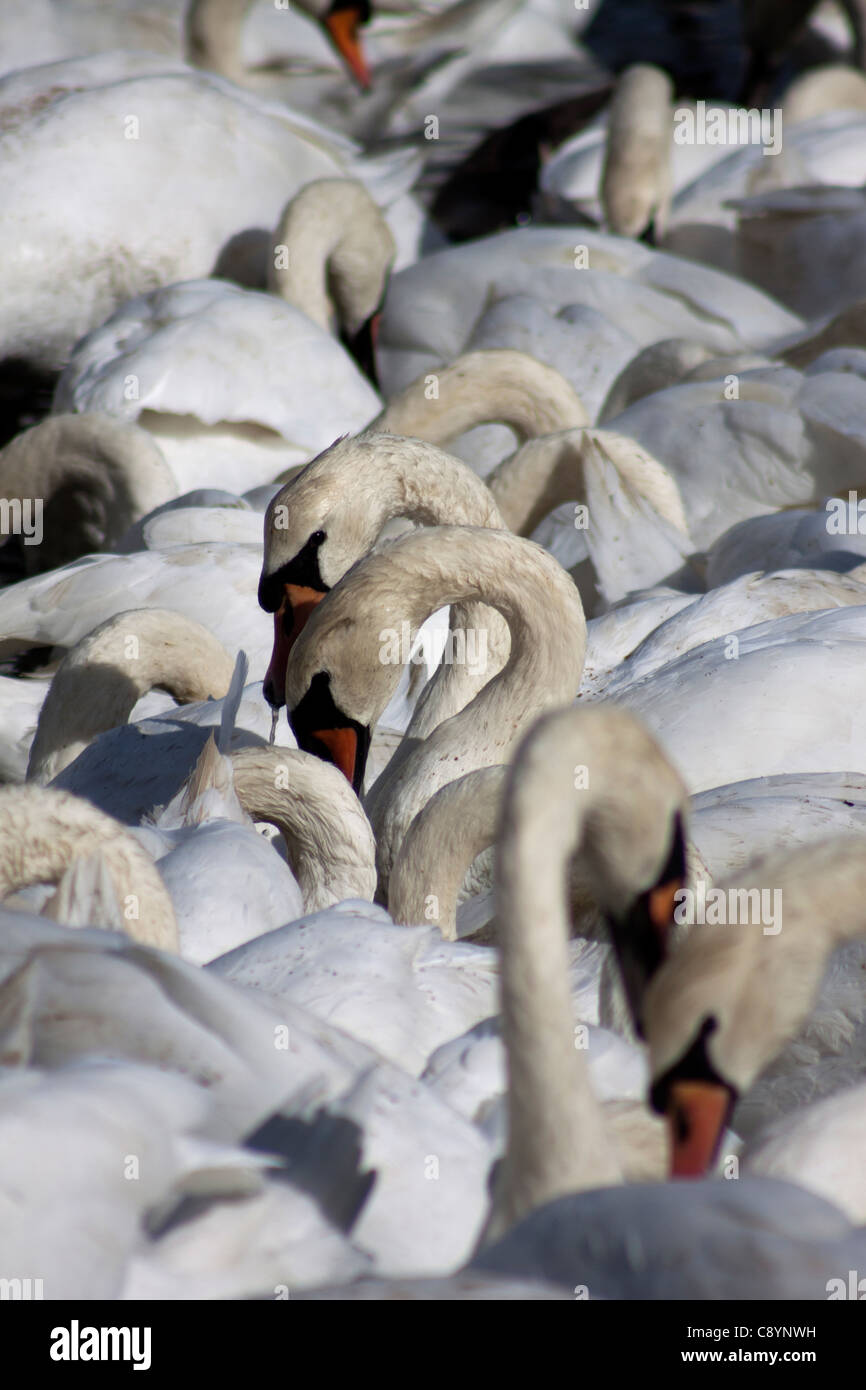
x=317, y=537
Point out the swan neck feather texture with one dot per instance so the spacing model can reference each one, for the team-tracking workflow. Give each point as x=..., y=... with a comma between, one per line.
x=328, y=837
x=578, y=775
x=100, y=680
x=491, y=386
x=447, y=834
x=44, y=831
x=332, y=254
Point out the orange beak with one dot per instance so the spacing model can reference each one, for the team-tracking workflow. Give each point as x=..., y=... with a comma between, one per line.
x=302, y=601
x=342, y=744
x=342, y=26
x=697, y=1112
x=662, y=901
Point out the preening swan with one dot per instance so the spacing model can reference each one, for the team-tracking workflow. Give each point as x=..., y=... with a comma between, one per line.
x=94, y=477
x=100, y=680
x=42, y=831
x=344, y=667
x=241, y=159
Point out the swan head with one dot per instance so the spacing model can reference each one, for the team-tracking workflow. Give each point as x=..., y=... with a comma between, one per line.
x=322, y=728
x=713, y=1019
x=316, y=527
x=345, y=665
x=697, y=1101
x=213, y=33
x=641, y=924
x=342, y=19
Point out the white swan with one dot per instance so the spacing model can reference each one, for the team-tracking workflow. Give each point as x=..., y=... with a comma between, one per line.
x=232, y=384
x=94, y=476
x=42, y=830
x=330, y=515
x=338, y=254
x=328, y=838
x=77, y=1214
x=738, y=606
x=769, y=438
x=213, y=35
x=337, y=685
x=242, y=159
x=101, y=679
x=782, y=700
x=557, y=1143
x=712, y=1028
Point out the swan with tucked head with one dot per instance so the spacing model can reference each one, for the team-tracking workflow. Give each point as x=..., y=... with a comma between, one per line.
x=332, y=254
x=101, y=679
x=44, y=831
x=329, y=842
x=94, y=477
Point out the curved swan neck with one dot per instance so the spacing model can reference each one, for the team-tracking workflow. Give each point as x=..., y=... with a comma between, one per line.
x=327, y=835
x=546, y=472
x=492, y=386
x=212, y=31
x=455, y=826
x=365, y=481
x=100, y=680
x=332, y=253
x=547, y=633
x=43, y=832
x=636, y=178
x=566, y=791
x=95, y=475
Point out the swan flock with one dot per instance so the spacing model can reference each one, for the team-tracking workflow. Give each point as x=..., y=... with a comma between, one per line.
x=432, y=632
